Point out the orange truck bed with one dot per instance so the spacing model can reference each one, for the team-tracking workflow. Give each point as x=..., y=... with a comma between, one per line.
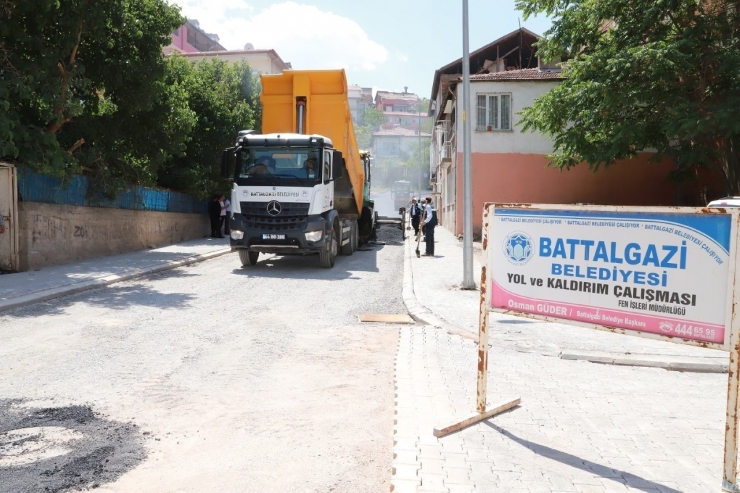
x=327, y=114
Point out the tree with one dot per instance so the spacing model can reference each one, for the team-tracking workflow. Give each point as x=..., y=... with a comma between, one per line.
x=418, y=162
x=644, y=74
x=81, y=88
x=373, y=119
x=224, y=99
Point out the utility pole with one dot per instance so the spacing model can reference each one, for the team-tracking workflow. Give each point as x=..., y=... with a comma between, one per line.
x=421, y=166
x=468, y=282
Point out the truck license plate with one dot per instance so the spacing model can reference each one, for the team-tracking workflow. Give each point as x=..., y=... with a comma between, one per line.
x=273, y=237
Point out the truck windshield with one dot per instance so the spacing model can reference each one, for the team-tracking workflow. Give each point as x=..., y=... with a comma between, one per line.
x=278, y=167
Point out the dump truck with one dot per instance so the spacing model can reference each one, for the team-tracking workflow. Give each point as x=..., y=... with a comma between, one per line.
x=302, y=186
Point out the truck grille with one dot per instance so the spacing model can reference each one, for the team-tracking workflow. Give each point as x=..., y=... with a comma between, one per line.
x=292, y=216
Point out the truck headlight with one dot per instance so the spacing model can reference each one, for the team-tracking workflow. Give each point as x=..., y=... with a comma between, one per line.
x=236, y=234
x=314, y=235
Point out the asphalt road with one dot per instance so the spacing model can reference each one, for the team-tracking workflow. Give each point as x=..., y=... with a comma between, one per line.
x=207, y=378
x=384, y=204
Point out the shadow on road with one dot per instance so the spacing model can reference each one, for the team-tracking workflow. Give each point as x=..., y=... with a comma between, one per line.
x=116, y=297
x=621, y=477
x=307, y=267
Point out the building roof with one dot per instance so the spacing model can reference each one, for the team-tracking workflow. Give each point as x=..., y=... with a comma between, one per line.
x=508, y=47
x=523, y=74
x=405, y=113
x=270, y=52
x=399, y=132
x=193, y=23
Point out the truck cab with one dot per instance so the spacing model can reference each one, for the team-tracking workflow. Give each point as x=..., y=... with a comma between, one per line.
x=301, y=187
x=283, y=198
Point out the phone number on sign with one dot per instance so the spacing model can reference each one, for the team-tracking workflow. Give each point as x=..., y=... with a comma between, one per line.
x=687, y=330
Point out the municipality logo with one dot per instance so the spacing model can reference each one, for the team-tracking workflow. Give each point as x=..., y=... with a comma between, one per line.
x=518, y=248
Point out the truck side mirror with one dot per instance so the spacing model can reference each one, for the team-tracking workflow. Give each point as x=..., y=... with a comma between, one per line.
x=337, y=165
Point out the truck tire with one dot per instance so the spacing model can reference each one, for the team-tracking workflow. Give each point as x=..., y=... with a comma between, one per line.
x=365, y=225
x=354, y=237
x=248, y=258
x=328, y=255
x=346, y=249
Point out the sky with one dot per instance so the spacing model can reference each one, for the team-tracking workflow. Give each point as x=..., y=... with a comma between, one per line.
x=384, y=44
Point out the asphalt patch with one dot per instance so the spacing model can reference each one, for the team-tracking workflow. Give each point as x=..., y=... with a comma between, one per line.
x=63, y=448
x=389, y=234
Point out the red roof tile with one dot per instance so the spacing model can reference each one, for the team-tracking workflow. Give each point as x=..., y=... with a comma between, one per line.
x=523, y=74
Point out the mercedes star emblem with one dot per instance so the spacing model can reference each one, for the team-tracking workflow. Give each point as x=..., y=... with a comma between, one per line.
x=274, y=208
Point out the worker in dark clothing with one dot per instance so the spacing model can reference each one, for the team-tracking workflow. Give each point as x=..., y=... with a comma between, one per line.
x=430, y=221
x=415, y=212
x=214, y=214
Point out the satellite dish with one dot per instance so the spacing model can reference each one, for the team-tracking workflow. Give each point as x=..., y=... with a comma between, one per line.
x=249, y=46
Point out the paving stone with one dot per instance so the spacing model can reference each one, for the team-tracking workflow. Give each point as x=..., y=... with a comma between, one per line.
x=405, y=471
x=457, y=475
x=433, y=480
x=404, y=485
x=581, y=426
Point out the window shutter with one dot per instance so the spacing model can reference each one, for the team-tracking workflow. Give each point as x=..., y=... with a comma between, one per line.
x=505, y=112
x=493, y=112
x=480, y=123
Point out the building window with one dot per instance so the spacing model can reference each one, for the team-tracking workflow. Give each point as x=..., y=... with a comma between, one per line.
x=493, y=112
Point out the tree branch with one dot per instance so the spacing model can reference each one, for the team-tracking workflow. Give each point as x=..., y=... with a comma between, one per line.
x=76, y=146
x=59, y=108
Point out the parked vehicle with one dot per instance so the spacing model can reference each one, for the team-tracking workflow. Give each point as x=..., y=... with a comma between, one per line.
x=402, y=193
x=303, y=186
x=725, y=202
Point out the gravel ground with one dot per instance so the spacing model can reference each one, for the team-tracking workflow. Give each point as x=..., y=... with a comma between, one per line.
x=234, y=379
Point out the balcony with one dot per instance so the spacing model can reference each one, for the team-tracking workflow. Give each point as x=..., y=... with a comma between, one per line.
x=445, y=154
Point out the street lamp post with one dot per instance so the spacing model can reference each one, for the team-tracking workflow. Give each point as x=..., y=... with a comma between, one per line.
x=468, y=282
x=421, y=165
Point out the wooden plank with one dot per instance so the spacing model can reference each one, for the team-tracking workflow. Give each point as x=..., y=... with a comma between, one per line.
x=386, y=318
x=498, y=409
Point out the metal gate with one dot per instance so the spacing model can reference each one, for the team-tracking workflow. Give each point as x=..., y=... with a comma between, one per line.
x=9, y=212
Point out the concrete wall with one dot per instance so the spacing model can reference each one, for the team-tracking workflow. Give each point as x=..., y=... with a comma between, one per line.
x=52, y=234
x=523, y=94
x=523, y=178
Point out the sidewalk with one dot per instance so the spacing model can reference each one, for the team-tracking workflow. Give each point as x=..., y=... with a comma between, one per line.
x=581, y=427
x=26, y=288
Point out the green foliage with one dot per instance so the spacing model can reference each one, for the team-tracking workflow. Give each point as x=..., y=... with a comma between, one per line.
x=646, y=74
x=373, y=119
x=81, y=88
x=419, y=157
x=225, y=99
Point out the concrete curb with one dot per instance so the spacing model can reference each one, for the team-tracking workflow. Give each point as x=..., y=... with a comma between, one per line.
x=417, y=311
x=69, y=289
x=693, y=367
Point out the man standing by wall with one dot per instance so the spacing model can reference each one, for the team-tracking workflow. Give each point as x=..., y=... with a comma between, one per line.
x=430, y=221
x=214, y=214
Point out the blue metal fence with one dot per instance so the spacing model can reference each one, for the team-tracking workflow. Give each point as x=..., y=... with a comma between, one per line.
x=35, y=187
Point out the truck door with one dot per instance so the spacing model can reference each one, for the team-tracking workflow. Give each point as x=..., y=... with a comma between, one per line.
x=328, y=183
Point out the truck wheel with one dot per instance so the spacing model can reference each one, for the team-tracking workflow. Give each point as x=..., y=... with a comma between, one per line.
x=347, y=248
x=365, y=225
x=354, y=237
x=328, y=255
x=248, y=258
